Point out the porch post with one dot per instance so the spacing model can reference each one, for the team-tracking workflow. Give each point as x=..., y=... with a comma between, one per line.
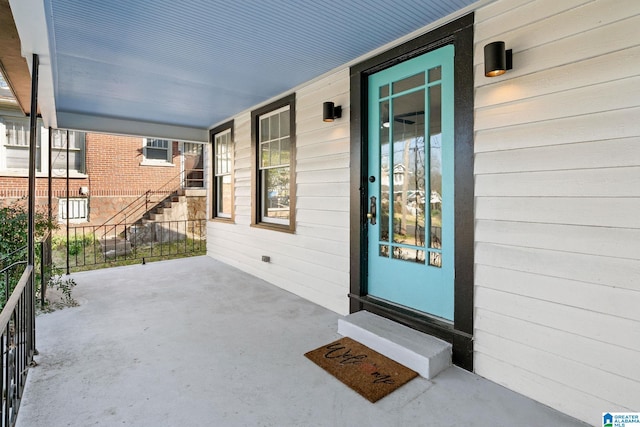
x=50, y=179
x=67, y=142
x=31, y=227
x=33, y=137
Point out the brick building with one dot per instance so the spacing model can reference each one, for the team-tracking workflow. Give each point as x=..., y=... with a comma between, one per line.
x=109, y=176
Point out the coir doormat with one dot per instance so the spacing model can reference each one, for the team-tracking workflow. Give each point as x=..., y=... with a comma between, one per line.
x=364, y=370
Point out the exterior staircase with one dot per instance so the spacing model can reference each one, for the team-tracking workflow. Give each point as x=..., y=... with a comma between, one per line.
x=155, y=225
x=165, y=210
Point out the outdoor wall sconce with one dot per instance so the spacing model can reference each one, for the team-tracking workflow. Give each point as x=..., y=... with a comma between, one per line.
x=330, y=112
x=497, y=60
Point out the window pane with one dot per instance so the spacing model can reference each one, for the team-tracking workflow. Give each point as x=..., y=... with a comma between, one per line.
x=156, y=154
x=264, y=129
x=78, y=210
x=274, y=153
x=284, y=123
x=17, y=133
x=59, y=139
x=264, y=156
x=59, y=160
x=285, y=151
x=17, y=157
x=223, y=193
x=158, y=143
x=274, y=126
x=275, y=195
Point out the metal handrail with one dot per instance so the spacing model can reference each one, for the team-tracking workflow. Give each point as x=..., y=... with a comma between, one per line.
x=17, y=344
x=13, y=253
x=139, y=203
x=10, y=306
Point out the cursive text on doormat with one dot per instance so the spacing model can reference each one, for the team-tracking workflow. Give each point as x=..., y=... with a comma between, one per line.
x=362, y=369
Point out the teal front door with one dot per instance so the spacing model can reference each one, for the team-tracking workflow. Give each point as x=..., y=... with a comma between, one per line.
x=411, y=231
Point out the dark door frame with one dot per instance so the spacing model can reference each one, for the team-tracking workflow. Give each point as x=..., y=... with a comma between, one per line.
x=460, y=332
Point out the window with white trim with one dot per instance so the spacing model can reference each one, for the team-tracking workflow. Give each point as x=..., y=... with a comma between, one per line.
x=16, y=145
x=76, y=140
x=78, y=210
x=14, y=148
x=156, y=151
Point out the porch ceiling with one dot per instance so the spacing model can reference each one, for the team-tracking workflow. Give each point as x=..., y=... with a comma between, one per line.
x=174, y=69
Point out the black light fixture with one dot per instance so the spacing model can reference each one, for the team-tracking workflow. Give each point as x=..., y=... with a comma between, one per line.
x=330, y=112
x=497, y=60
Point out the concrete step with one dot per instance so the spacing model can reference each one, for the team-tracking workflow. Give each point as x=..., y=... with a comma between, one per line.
x=112, y=247
x=423, y=353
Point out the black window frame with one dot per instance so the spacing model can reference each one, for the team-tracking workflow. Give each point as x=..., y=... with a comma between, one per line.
x=256, y=184
x=228, y=126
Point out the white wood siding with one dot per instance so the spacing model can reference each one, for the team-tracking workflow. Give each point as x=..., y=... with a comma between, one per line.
x=557, y=169
x=313, y=262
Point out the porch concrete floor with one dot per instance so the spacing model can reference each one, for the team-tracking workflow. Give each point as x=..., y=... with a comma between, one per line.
x=194, y=342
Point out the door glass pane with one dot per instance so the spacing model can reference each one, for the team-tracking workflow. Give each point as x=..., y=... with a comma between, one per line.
x=435, y=74
x=384, y=91
x=383, y=216
x=435, y=172
x=408, y=177
x=409, y=254
x=384, y=251
x=408, y=83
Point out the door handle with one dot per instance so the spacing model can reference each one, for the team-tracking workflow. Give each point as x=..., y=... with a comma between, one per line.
x=371, y=215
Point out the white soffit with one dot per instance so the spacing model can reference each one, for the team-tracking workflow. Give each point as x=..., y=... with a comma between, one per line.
x=190, y=64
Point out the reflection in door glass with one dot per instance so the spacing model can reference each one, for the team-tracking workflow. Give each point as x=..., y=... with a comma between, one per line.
x=435, y=173
x=410, y=199
x=383, y=216
x=408, y=254
x=407, y=179
x=384, y=251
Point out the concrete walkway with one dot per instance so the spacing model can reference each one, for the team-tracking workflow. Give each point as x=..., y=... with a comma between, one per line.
x=194, y=342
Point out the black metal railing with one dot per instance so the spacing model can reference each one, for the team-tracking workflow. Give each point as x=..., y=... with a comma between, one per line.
x=17, y=340
x=150, y=199
x=125, y=243
x=45, y=258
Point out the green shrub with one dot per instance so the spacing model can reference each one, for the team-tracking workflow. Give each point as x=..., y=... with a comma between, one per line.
x=14, y=239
